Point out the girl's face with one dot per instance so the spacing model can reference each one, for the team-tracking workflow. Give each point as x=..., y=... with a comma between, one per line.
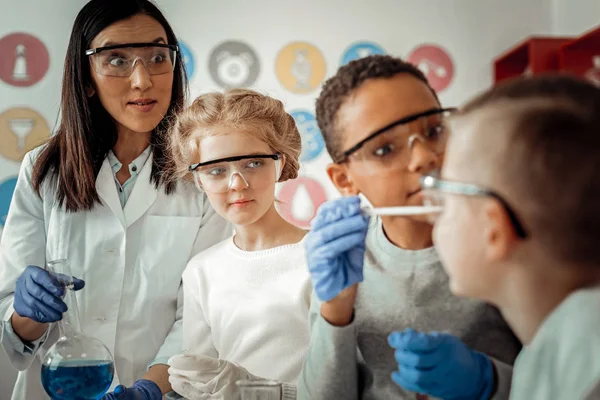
x=139, y=101
x=242, y=190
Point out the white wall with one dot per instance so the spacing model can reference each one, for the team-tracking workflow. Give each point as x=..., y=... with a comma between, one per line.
x=472, y=31
x=573, y=17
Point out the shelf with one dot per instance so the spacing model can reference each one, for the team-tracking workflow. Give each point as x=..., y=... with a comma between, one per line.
x=533, y=56
x=577, y=56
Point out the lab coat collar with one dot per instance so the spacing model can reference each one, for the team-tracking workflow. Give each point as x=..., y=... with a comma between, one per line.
x=143, y=195
x=107, y=190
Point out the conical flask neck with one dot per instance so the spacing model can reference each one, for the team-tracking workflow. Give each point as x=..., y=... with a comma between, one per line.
x=70, y=325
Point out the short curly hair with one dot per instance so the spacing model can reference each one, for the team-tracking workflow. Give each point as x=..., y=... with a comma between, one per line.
x=348, y=79
x=239, y=109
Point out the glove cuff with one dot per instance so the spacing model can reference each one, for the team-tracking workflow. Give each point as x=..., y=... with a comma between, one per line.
x=289, y=391
x=487, y=377
x=150, y=389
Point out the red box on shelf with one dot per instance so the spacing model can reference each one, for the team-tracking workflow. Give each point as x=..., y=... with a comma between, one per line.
x=533, y=56
x=582, y=55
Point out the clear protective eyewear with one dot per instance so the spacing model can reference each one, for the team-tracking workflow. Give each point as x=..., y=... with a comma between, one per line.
x=252, y=170
x=389, y=149
x=434, y=191
x=120, y=60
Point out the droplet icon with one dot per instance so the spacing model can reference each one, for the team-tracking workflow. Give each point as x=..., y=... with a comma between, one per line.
x=302, y=205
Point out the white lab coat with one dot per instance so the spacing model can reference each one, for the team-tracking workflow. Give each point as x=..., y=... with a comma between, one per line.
x=131, y=260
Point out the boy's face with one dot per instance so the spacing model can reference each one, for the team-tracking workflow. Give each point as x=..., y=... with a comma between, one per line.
x=472, y=233
x=374, y=105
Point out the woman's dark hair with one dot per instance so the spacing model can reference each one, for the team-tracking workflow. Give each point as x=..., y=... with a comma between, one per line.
x=72, y=158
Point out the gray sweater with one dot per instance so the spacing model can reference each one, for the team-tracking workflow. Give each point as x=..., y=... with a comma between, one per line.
x=401, y=289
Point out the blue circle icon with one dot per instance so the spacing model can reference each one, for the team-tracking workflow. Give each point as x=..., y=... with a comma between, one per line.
x=359, y=50
x=7, y=188
x=312, y=140
x=188, y=59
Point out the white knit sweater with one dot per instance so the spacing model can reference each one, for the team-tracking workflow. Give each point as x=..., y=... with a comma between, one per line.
x=250, y=308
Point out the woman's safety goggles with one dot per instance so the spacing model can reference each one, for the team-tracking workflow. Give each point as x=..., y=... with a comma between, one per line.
x=120, y=60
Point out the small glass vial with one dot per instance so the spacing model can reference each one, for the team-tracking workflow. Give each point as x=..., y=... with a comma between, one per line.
x=259, y=390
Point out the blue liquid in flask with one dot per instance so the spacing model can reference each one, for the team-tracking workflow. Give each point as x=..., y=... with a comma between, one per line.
x=78, y=379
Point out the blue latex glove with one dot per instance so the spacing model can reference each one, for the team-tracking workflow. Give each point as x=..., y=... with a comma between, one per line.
x=142, y=389
x=38, y=295
x=335, y=247
x=440, y=365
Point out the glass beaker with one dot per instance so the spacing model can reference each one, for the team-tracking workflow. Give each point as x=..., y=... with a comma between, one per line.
x=77, y=366
x=259, y=389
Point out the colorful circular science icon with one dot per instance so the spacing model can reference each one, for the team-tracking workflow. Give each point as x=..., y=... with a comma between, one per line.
x=300, y=67
x=7, y=188
x=435, y=63
x=360, y=50
x=21, y=130
x=312, y=140
x=234, y=64
x=187, y=58
x=24, y=59
x=301, y=198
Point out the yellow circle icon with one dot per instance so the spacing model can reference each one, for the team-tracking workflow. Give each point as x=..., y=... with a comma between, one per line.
x=21, y=130
x=300, y=67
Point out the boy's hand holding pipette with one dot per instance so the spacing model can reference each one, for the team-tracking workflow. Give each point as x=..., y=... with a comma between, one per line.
x=335, y=250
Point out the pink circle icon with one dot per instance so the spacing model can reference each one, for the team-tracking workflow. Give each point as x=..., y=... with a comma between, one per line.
x=24, y=59
x=435, y=63
x=300, y=199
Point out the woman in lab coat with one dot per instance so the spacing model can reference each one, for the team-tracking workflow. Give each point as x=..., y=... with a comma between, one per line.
x=97, y=194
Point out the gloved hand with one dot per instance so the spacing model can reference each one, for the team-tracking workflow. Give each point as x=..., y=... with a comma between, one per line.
x=38, y=295
x=142, y=389
x=440, y=365
x=198, y=377
x=335, y=247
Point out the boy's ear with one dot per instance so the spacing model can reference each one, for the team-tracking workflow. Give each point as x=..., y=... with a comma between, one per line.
x=500, y=233
x=341, y=179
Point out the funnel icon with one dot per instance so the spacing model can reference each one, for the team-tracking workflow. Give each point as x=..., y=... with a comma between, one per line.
x=21, y=127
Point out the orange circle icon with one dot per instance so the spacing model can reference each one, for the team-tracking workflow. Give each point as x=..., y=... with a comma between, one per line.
x=300, y=67
x=21, y=130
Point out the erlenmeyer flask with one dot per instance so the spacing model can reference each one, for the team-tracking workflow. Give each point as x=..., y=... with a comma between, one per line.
x=259, y=389
x=77, y=366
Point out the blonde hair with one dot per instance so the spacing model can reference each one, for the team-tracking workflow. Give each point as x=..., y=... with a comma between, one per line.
x=236, y=109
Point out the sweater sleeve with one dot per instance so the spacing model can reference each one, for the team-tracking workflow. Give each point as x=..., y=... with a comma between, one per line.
x=331, y=367
x=197, y=334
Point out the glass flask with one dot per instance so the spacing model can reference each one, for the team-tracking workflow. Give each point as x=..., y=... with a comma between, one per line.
x=593, y=74
x=259, y=389
x=77, y=366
